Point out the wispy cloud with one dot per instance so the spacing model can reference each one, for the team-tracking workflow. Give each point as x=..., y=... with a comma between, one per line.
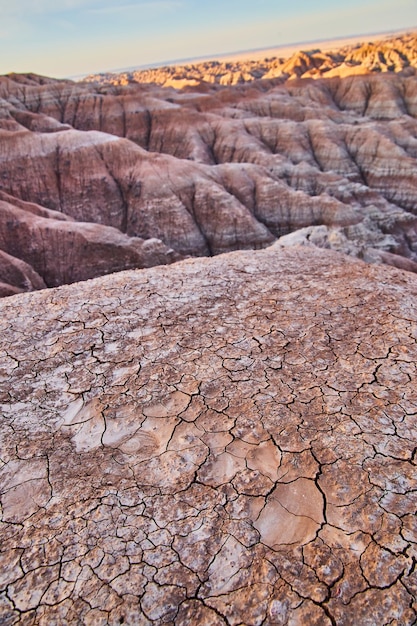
x=98, y=7
x=154, y=7
x=24, y=7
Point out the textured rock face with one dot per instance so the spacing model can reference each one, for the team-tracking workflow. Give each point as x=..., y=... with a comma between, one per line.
x=230, y=441
x=100, y=178
x=40, y=248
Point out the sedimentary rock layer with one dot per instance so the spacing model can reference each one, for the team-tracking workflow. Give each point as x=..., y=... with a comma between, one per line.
x=230, y=441
x=103, y=177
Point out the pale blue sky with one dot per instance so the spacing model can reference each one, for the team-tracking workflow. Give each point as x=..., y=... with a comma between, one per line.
x=70, y=37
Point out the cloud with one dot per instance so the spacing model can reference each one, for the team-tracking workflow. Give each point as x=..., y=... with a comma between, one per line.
x=23, y=8
x=154, y=7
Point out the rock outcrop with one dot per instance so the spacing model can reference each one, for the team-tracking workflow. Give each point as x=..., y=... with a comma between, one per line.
x=98, y=178
x=40, y=248
x=230, y=441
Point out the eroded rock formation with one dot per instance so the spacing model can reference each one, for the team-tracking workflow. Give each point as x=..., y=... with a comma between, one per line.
x=41, y=248
x=97, y=178
x=230, y=441
x=390, y=54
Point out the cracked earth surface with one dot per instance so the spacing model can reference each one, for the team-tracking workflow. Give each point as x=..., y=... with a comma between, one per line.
x=230, y=441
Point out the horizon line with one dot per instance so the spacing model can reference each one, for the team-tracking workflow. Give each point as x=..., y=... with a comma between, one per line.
x=220, y=55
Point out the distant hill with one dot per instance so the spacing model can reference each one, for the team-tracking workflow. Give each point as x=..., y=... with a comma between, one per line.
x=388, y=54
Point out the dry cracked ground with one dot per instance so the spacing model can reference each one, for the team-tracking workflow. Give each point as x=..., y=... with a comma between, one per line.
x=227, y=441
x=96, y=178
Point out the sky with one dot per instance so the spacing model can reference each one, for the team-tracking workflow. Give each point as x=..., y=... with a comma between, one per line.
x=66, y=38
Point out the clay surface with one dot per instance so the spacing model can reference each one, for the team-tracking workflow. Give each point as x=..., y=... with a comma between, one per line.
x=227, y=441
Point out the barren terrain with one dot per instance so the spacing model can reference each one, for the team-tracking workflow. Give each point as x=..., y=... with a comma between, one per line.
x=228, y=438
x=96, y=178
x=348, y=57
x=227, y=441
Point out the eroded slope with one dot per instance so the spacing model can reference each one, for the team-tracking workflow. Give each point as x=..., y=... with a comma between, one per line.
x=228, y=441
x=141, y=175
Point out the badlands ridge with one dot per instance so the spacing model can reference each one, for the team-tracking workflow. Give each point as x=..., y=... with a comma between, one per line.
x=96, y=178
x=392, y=54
